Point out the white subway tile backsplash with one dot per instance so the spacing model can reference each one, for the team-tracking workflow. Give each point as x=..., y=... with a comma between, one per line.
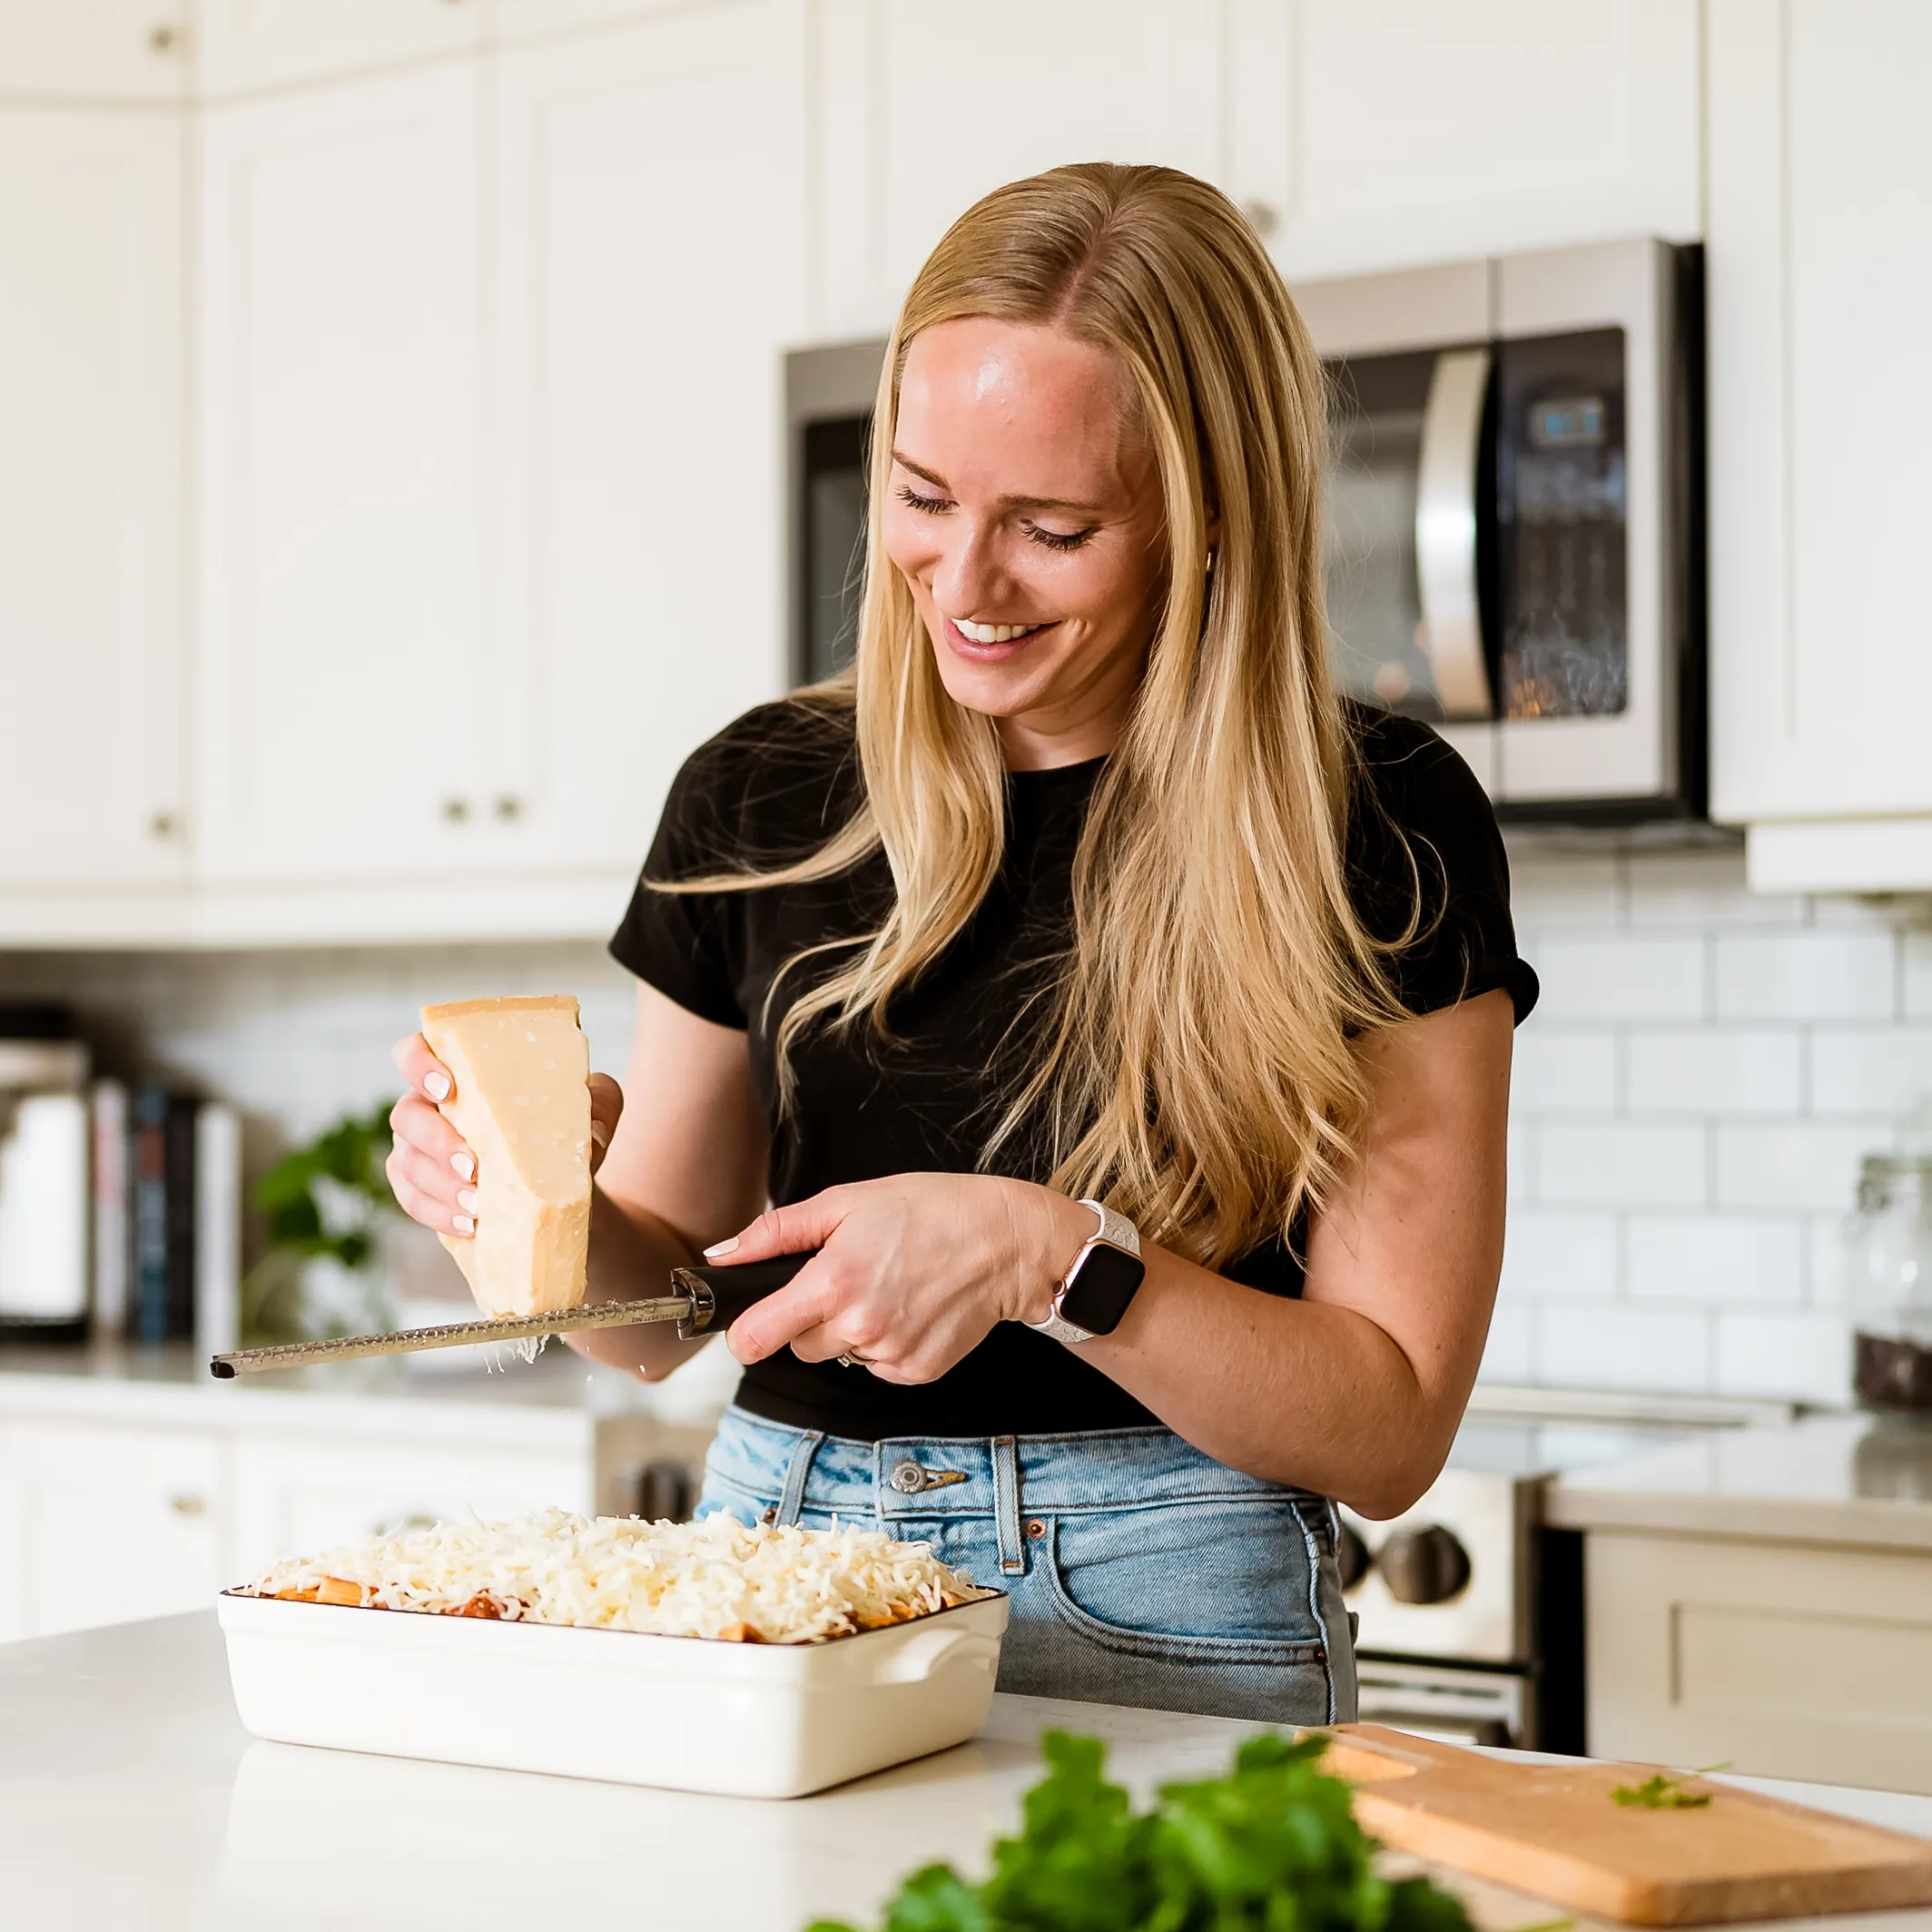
x=1620, y=1164
x=1716, y=1258
x=1827, y=1260
x=1621, y=977
x=1703, y=889
x=1510, y=1352
x=1833, y=975
x=1694, y=1070
x=1870, y=1070
x=1765, y=1353
x=1552, y=1253
x=1548, y=889
x=1564, y=1071
x=1918, y=974
x=1611, y=1345
x=1793, y=1166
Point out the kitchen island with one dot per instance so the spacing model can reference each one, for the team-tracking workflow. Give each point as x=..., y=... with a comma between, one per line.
x=132, y=1800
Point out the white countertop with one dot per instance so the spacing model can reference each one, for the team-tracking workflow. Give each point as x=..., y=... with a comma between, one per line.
x=132, y=1800
x=1857, y=1479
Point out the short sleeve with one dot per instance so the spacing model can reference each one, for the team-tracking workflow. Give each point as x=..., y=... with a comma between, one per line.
x=1423, y=844
x=685, y=944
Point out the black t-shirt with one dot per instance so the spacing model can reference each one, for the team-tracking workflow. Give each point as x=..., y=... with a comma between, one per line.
x=773, y=787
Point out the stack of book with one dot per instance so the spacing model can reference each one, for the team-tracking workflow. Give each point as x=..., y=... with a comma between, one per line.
x=167, y=1216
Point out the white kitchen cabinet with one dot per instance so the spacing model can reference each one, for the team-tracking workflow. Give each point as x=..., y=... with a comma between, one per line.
x=918, y=110
x=90, y=496
x=103, y=1524
x=94, y=50
x=292, y=1495
x=1786, y=1660
x=516, y=20
x=1820, y=298
x=634, y=604
x=1385, y=133
x=242, y=45
x=341, y=414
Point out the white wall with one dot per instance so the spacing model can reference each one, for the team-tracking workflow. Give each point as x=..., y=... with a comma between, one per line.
x=1691, y=1097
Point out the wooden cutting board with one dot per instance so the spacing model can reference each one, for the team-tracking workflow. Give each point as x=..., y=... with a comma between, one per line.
x=1554, y=1831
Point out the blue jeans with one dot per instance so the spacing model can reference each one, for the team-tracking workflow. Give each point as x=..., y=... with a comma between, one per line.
x=1140, y=1571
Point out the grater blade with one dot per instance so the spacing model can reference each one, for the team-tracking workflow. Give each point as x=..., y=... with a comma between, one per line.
x=682, y=1308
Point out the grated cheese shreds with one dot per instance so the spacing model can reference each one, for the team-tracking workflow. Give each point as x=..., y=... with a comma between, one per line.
x=713, y=1577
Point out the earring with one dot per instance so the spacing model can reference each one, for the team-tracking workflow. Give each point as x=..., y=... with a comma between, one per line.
x=1209, y=571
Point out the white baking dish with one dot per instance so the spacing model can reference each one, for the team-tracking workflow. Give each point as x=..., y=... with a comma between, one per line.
x=689, y=1713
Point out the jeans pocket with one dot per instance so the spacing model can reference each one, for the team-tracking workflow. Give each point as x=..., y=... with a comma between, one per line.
x=1227, y=1581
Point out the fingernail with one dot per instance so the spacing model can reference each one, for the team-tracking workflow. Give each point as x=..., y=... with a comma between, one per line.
x=600, y=1133
x=721, y=1248
x=437, y=1086
x=465, y=1165
x=466, y=1199
x=463, y=1225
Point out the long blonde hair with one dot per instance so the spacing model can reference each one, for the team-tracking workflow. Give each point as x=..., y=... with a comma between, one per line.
x=1196, y=1066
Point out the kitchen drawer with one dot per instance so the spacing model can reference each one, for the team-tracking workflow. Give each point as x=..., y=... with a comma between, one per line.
x=1784, y=1659
x=101, y=1525
x=295, y=1496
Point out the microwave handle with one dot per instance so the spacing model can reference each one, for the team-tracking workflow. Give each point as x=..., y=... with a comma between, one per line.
x=1445, y=531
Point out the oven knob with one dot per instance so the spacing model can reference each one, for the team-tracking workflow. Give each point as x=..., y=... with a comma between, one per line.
x=1423, y=1566
x=1351, y=1558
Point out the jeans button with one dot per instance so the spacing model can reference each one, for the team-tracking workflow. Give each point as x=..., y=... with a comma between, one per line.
x=908, y=1478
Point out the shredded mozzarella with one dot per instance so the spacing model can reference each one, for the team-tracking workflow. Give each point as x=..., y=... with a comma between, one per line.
x=712, y=1578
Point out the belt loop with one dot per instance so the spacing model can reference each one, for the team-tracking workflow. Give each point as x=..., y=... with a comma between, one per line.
x=793, y=1498
x=1006, y=1506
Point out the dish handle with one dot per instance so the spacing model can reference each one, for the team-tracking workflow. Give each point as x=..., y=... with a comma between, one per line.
x=921, y=1655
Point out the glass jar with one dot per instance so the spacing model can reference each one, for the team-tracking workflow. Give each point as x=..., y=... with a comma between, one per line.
x=1891, y=1244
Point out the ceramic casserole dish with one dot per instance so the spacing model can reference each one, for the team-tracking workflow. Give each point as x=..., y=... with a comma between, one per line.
x=689, y=1713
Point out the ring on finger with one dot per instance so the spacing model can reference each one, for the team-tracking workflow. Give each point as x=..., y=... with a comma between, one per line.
x=851, y=1358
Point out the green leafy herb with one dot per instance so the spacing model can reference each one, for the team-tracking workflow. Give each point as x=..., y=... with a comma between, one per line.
x=1272, y=1846
x=1658, y=1793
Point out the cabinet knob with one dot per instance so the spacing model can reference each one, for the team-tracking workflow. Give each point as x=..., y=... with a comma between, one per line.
x=456, y=809
x=163, y=826
x=1263, y=217
x=162, y=39
x=189, y=1505
x=509, y=808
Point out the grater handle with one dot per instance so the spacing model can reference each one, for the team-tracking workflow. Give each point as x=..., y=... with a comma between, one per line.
x=721, y=1294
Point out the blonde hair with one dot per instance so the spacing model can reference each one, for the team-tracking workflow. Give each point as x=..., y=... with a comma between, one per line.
x=1197, y=1070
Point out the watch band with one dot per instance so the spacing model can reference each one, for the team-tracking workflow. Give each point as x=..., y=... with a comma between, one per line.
x=1115, y=1231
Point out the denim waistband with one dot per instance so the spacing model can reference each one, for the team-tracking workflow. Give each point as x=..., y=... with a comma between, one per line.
x=930, y=1476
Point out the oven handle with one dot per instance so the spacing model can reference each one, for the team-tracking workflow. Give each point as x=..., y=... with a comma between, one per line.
x=1445, y=531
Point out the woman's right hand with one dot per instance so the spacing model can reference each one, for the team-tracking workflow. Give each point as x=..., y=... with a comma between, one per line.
x=432, y=1172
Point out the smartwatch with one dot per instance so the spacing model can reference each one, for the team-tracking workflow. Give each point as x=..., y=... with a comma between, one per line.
x=1094, y=1293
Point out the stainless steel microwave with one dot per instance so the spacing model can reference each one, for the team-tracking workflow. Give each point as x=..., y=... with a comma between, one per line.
x=1514, y=515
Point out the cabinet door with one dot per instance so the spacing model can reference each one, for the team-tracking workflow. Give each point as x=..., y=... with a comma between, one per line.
x=341, y=411
x=94, y=50
x=90, y=489
x=101, y=1524
x=1383, y=133
x=1819, y=265
x=919, y=109
x=247, y=44
x=293, y=1496
x=635, y=606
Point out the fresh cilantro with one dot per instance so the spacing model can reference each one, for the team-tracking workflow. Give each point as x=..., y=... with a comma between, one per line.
x=1272, y=1846
x=1658, y=1793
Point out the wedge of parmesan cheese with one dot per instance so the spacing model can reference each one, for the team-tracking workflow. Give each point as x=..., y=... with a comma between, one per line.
x=522, y=1104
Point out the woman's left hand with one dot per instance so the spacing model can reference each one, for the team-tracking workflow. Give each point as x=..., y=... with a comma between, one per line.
x=915, y=1269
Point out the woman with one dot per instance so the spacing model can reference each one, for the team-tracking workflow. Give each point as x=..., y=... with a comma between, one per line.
x=1084, y=888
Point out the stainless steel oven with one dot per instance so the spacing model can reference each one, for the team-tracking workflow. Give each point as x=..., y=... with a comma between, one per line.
x=1515, y=498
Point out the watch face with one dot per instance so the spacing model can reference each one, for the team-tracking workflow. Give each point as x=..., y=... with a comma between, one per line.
x=1098, y=1296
